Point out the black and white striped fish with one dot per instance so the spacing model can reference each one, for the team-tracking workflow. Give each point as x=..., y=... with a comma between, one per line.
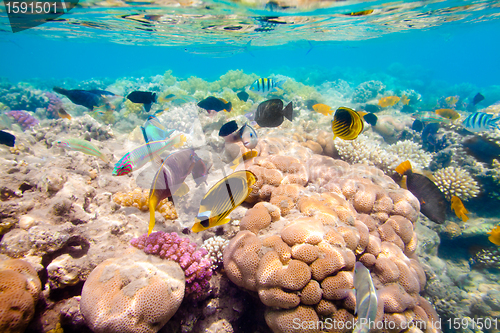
x=480, y=121
x=265, y=85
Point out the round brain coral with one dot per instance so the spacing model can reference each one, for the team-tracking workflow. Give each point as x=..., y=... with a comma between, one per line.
x=456, y=181
x=136, y=294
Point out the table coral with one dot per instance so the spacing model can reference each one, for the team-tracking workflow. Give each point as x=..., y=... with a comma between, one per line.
x=456, y=181
x=197, y=268
x=139, y=198
x=136, y=293
x=306, y=264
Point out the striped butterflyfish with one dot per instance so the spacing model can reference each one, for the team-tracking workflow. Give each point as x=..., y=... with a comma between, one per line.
x=222, y=198
x=265, y=85
x=347, y=124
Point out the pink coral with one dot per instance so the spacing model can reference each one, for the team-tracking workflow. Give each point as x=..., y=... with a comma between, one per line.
x=23, y=118
x=55, y=104
x=196, y=267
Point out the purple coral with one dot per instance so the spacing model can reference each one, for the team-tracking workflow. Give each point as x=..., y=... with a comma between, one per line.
x=23, y=118
x=197, y=268
x=55, y=104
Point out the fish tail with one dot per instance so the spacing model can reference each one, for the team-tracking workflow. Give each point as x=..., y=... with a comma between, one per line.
x=153, y=201
x=288, y=111
x=247, y=48
x=311, y=46
x=403, y=167
x=147, y=107
x=279, y=84
x=228, y=107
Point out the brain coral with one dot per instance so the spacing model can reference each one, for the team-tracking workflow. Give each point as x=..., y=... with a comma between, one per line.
x=302, y=265
x=456, y=181
x=136, y=293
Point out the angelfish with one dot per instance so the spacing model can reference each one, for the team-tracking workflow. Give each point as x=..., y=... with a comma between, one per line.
x=366, y=298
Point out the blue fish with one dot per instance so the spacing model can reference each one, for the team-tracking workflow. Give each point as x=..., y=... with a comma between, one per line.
x=153, y=130
x=265, y=85
x=480, y=121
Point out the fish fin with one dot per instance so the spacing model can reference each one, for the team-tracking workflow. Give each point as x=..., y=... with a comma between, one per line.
x=223, y=221
x=403, y=167
x=311, y=46
x=144, y=134
x=182, y=190
x=228, y=107
x=288, y=111
x=153, y=201
x=147, y=107
x=247, y=48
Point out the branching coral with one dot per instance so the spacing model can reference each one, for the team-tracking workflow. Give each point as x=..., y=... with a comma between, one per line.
x=456, y=181
x=139, y=199
x=409, y=150
x=215, y=247
x=197, y=268
x=23, y=118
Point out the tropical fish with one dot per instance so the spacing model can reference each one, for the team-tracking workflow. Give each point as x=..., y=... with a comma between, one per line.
x=323, y=109
x=310, y=103
x=370, y=118
x=63, y=114
x=83, y=146
x=169, y=180
x=245, y=134
x=432, y=200
x=200, y=171
x=346, y=124
x=482, y=149
x=417, y=125
x=366, y=298
x=271, y=113
x=153, y=130
x=101, y=92
x=448, y=114
x=459, y=208
x=478, y=98
x=265, y=85
x=7, y=139
x=479, y=121
x=83, y=97
x=388, y=101
x=451, y=100
x=495, y=235
x=222, y=198
x=141, y=155
x=405, y=100
x=145, y=98
x=243, y=96
x=243, y=158
x=216, y=104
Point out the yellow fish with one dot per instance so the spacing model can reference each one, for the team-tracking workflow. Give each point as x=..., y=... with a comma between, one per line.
x=495, y=235
x=448, y=113
x=388, y=101
x=458, y=207
x=243, y=158
x=452, y=100
x=63, y=114
x=405, y=100
x=346, y=124
x=323, y=109
x=222, y=198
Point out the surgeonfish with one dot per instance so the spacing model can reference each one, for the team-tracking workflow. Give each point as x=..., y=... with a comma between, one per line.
x=323, y=109
x=448, y=114
x=432, y=200
x=215, y=104
x=271, y=113
x=366, y=298
x=153, y=130
x=246, y=134
x=346, y=124
x=495, y=235
x=169, y=180
x=243, y=96
x=7, y=139
x=264, y=85
x=388, y=101
x=227, y=194
x=480, y=121
x=83, y=98
x=243, y=158
x=83, y=146
x=459, y=208
x=141, y=155
x=145, y=98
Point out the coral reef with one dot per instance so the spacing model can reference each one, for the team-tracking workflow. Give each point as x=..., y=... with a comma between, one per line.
x=86, y=127
x=215, y=246
x=139, y=199
x=367, y=91
x=55, y=104
x=411, y=151
x=23, y=118
x=456, y=181
x=135, y=293
x=22, y=96
x=486, y=258
x=197, y=268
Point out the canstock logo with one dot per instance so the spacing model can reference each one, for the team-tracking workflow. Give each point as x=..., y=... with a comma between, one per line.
x=28, y=14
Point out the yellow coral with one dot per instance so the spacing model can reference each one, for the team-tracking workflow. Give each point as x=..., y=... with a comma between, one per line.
x=294, y=88
x=194, y=84
x=131, y=107
x=140, y=198
x=233, y=79
x=168, y=78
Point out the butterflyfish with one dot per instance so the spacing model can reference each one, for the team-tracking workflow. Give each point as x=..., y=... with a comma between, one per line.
x=169, y=180
x=141, y=155
x=366, y=298
x=432, y=200
x=227, y=194
x=495, y=235
x=388, y=101
x=459, y=208
x=243, y=158
x=346, y=124
x=83, y=146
